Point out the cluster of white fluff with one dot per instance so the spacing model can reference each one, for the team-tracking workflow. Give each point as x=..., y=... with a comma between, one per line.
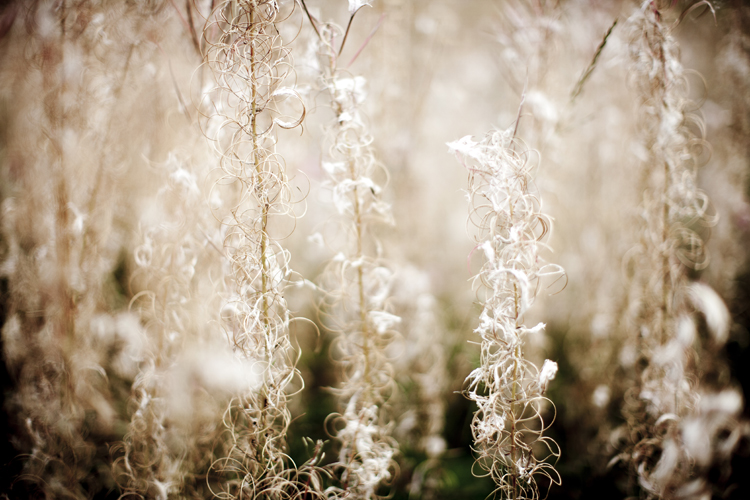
x=507, y=387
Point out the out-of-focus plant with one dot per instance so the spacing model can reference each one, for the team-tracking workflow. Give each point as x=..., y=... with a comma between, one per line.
x=356, y=282
x=67, y=343
x=186, y=372
x=667, y=400
x=421, y=369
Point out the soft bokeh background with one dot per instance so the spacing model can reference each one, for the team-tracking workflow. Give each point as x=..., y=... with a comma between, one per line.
x=126, y=117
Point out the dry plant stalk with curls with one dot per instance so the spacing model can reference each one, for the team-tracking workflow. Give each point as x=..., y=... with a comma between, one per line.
x=356, y=283
x=250, y=64
x=508, y=427
x=674, y=210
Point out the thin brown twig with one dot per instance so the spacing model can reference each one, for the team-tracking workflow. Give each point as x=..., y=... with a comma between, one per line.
x=348, y=26
x=367, y=40
x=187, y=25
x=586, y=74
x=191, y=26
x=312, y=20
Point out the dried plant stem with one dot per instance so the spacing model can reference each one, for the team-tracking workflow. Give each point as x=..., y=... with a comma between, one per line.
x=250, y=63
x=507, y=388
x=586, y=74
x=356, y=285
x=673, y=208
